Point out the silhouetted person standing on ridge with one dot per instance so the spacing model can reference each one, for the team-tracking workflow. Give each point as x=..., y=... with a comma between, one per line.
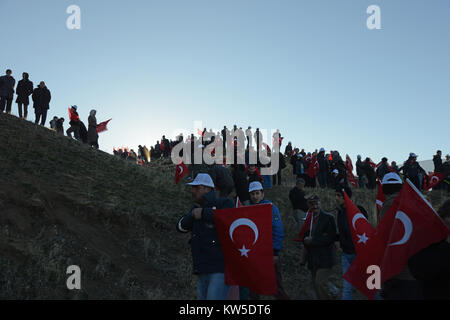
x=74, y=123
x=41, y=102
x=7, y=83
x=92, y=134
x=24, y=90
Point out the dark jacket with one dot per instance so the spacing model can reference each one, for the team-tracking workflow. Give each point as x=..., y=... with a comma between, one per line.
x=431, y=266
x=382, y=170
x=7, y=86
x=221, y=176
x=24, y=90
x=41, y=98
x=277, y=228
x=298, y=200
x=321, y=253
x=323, y=162
x=359, y=168
x=241, y=183
x=92, y=134
x=345, y=234
x=207, y=253
x=437, y=164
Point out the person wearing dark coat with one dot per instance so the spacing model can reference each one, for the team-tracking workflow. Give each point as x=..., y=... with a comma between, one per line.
x=412, y=169
x=60, y=126
x=383, y=168
x=222, y=179
x=431, y=266
x=298, y=201
x=241, y=183
x=7, y=83
x=320, y=251
x=41, y=102
x=92, y=135
x=437, y=160
x=370, y=174
x=322, y=175
x=281, y=165
x=207, y=255
x=24, y=90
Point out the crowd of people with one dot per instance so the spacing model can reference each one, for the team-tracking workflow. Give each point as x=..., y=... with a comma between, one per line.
x=317, y=169
x=41, y=97
x=218, y=186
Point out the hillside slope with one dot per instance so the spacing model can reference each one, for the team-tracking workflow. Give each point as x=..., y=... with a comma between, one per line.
x=63, y=203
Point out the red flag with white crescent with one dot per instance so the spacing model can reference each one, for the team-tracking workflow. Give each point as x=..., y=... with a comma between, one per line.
x=410, y=225
x=360, y=227
x=245, y=235
x=432, y=180
x=180, y=172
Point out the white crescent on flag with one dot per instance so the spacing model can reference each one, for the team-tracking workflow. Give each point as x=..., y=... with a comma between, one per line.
x=407, y=224
x=356, y=217
x=244, y=222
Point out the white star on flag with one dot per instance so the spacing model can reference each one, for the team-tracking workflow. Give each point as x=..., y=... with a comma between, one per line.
x=363, y=238
x=244, y=251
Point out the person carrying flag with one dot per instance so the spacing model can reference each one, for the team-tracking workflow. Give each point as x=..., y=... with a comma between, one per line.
x=256, y=192
x=320, y=251
x=432, y=265
x=345, y=241
x=74, y=123
x=403, y=285
x=207, y=255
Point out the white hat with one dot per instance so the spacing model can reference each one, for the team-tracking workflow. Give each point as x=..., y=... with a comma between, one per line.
x=255, y=185
x=413, y=155
x=335, y=171
x=391, y=178
x=75, y=107
x=202, y=179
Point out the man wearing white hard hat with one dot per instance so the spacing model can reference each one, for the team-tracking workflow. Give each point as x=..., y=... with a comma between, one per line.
x=256, y=191
x=207, y=255
x=402, y=286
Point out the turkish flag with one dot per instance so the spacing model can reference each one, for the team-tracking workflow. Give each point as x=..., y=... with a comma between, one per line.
x=432, y=180
x=410, y=225
x=313, y=168
x=103, y=126
x=381, y=197
x=180, y=172
x=245, y=235
x=360, y=227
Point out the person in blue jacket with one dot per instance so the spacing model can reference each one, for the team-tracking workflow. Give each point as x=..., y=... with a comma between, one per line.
x=257, y=197
x=207, y=255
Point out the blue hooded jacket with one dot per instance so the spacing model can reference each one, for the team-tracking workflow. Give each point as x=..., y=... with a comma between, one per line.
x=277, y=228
